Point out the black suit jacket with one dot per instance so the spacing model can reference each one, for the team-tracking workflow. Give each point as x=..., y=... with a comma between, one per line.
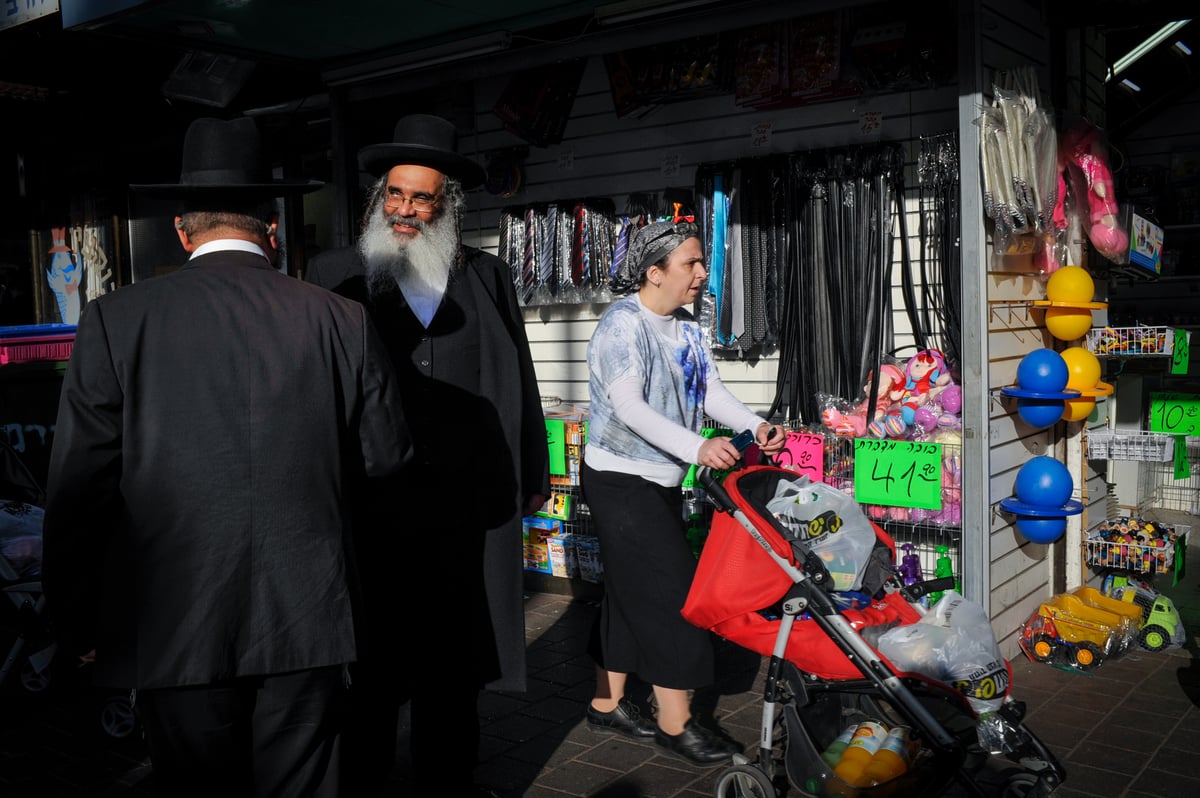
x=211, y=425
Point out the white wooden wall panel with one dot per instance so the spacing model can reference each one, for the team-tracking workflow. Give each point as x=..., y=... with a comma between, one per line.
x=1011, y=37
x=603, y=156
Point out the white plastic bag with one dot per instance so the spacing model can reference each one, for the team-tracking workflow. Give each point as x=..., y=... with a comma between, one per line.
x=830, y=523
x=953, y=643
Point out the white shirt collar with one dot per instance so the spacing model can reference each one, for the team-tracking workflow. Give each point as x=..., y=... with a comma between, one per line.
x=224, y=244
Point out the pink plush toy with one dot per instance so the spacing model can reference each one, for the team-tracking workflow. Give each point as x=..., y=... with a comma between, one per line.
x=884, y=422
x=1083, y=149
x=925, y=378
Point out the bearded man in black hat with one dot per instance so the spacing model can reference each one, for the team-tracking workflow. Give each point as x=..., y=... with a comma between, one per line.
x=450, y=318
x=213, y=422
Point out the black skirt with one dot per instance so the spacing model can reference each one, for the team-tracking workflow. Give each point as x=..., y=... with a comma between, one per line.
x=648, y=570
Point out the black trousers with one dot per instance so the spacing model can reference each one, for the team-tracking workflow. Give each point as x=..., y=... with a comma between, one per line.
x=254, y=737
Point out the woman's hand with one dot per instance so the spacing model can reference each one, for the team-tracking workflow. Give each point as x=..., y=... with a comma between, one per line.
x=718, y=453
x=770, y=438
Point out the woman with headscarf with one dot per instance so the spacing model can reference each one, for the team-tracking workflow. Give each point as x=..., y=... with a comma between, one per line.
x=653, y=382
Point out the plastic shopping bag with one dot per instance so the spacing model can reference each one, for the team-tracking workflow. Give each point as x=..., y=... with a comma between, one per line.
x=830, y=523
x=955, y=644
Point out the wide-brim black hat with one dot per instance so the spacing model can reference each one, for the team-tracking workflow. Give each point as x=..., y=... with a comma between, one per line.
x=424, y=140
x=223, y=159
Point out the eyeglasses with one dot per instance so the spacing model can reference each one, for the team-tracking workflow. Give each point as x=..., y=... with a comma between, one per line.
x=421, y=203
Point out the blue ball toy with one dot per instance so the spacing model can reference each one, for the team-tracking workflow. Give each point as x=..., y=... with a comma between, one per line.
x=1040, y=413
x=1044, y=482
x=1044, y=371
x=1041, y=530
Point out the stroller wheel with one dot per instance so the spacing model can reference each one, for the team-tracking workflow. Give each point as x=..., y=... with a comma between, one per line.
x=32, y=679
x=1020, y=785
x=117, y=718
x=744, y=781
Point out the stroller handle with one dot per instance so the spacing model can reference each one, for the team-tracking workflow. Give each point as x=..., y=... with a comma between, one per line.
x=715, y=490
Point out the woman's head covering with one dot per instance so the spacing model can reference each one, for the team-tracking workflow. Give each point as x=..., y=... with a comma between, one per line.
x=649, y=245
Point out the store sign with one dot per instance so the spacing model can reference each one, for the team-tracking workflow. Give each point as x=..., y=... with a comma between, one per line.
x=18, y=12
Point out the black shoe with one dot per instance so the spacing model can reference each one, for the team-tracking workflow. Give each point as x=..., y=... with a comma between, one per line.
x=698, y=745
x=625, y=720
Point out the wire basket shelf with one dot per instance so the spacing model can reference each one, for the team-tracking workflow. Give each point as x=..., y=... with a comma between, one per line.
x=1109, y=547
x=1156, y=447
x=1142, y=341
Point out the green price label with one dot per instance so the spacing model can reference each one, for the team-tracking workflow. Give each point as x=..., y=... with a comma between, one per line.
x=898, y=473
x=1183, y=466
x=556, y=440
x=1175, y=413
x=1180, y=353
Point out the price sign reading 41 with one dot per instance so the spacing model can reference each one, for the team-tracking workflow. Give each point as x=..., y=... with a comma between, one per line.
x=1175, y=413
x=898, y=473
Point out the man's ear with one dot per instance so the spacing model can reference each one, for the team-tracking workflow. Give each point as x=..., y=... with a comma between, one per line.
x=184, y=241
x=272, y=232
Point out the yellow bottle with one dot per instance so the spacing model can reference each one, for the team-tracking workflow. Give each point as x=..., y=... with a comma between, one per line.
x=868, y=737
x=891, y=759
x=833, y=754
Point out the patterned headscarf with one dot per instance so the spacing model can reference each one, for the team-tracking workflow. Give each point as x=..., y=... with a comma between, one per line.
x=652, y=243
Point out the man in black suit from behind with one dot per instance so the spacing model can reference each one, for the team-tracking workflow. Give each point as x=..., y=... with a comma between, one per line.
x=213, y=426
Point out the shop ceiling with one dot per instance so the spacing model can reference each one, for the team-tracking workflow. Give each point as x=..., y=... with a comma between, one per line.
x=268, y=52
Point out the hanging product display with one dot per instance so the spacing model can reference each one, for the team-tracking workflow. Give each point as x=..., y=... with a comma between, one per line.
x=1019, y=160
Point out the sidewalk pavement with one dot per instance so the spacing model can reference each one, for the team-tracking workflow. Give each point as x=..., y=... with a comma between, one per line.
x=1128, y=729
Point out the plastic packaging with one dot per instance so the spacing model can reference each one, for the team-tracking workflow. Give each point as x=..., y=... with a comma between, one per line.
x=892, y=758
x=867, y=739
x=833, y=754
x=943, y=567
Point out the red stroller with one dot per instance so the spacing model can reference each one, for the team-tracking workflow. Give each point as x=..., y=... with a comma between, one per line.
x=761, y=586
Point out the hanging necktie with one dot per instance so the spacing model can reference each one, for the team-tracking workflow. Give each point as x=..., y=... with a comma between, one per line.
x=529, y=263
x=577, y=245
x=504, y=248
x=547, y=246
x=733, y=314
x=621, y=246
x=716, y=272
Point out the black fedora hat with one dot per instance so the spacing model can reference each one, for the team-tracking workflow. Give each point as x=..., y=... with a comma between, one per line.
x=222, y=159
x=424, y=140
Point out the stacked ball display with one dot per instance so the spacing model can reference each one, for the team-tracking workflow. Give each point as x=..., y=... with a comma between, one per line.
x=1044, y=484
x=1069, y=286
x=1042, y=371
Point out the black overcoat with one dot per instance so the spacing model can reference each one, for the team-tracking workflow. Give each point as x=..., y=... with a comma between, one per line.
x=472, y=402
x=211, y=423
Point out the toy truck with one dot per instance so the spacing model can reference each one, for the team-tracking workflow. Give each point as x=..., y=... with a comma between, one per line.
x=1160, y=622
x=1081, y=629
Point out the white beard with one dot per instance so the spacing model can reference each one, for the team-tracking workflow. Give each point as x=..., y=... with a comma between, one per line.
x=420, y=266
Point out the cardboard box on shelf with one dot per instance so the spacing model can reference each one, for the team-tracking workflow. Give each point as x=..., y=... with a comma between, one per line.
x=537, y=557
x=535, y=529
x=563, y=560
x=587, y=555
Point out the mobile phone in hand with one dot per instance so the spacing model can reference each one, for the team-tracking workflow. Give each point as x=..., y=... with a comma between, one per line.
x=742, y=440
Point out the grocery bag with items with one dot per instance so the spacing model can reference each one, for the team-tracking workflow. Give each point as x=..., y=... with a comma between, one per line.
x=831, y=524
